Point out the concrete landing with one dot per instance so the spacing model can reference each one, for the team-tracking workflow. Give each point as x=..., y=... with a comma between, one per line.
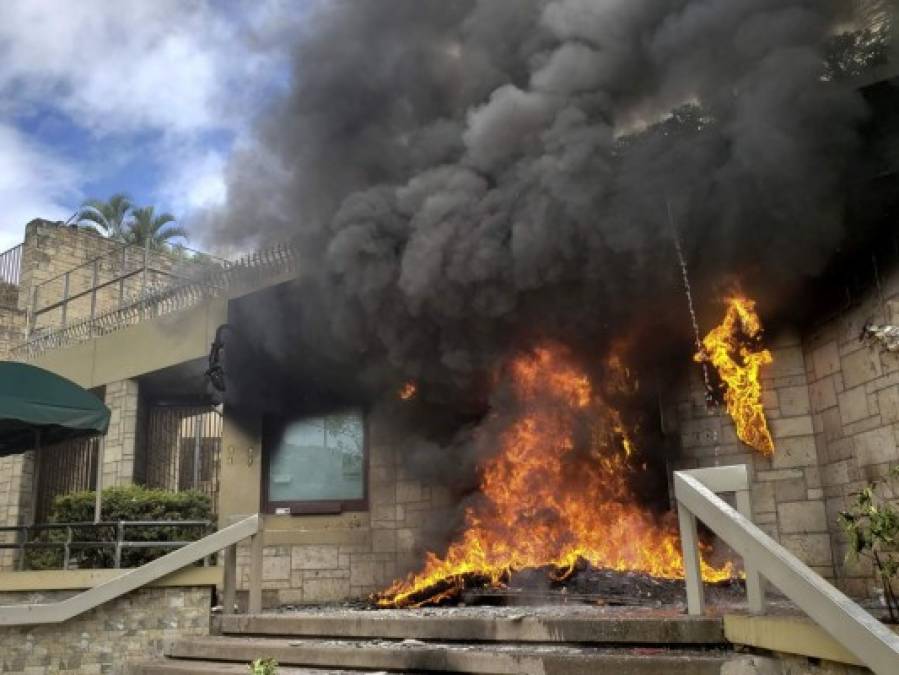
x=520, y=627
x=569, y=640
x=174, y=667
x=417, y=656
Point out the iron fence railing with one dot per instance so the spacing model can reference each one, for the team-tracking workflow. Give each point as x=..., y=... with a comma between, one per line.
x=11, y=265
x=122, y=275
x=70, y=466
x=10, y=275
x=183, y=448
x=69, y=544
x=252, y=268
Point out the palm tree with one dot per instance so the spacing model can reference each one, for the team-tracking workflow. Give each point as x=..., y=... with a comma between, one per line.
x=108, y=216
x=151, y=230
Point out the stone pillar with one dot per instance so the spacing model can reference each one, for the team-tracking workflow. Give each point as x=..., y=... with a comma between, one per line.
x=15, y=500
x=122, y=399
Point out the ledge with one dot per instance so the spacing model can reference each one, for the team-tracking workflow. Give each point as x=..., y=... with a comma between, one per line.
x=60, y=580
x=787, y=634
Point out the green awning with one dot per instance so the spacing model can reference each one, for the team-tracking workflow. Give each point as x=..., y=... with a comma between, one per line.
x=33, y=399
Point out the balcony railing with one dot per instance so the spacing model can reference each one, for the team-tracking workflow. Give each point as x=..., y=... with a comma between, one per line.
x=119, y=277
x=10, y=273
x=159, y=300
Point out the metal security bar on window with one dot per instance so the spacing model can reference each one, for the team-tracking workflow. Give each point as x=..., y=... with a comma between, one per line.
x=183, y=449
x=65, y=467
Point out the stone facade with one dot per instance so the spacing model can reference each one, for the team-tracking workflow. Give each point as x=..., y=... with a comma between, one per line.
x=854, y=391
x=12, y=329
x=60, y=261
x=833, y=404
x=311, y=559
x=108, y=639
x=15, y=500
x=123, y=400
x=787, y=498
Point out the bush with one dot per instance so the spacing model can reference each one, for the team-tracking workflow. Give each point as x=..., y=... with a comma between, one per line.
x=128, y=503
x=871, y=525
x=264, y=667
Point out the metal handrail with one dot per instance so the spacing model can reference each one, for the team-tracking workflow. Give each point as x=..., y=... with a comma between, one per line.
x=226, y=538
x=846, y=622
x=119, y=544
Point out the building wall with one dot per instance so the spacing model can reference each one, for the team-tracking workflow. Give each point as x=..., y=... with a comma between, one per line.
x=12, y=330
x=787, y=496
x=120, y=449
x=321, y=558
x=15, y=501
x=833, y=403
x=108, y=639
x=854, y=392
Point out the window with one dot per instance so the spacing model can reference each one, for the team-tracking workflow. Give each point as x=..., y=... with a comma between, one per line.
x=316, y=464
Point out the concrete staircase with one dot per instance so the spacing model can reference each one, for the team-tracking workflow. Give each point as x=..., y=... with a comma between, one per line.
x=318, y=642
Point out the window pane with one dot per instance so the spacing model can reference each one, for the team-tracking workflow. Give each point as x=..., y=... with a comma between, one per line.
x=319, y=459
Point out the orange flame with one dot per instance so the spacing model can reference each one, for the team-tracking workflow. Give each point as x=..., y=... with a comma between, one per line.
x=408, y=390
x=558, y=490
x=732, y=348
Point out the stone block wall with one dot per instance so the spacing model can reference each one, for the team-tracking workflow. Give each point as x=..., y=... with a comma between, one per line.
x=108, y=639
x=12, y=330
x=787, y=494
x=854, y=392
x=53, y=249
x=312, y=559
x=833, y=404
x=16, y=472
x=123, y=400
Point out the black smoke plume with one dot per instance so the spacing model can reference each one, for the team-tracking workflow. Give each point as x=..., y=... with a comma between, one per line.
x=464, y=179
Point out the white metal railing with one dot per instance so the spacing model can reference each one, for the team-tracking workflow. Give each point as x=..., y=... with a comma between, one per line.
x=227, y=538
x=847, y=623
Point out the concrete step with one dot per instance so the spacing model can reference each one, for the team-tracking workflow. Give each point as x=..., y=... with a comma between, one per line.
x=417, y=656
x=178, y=667
x=470, y=627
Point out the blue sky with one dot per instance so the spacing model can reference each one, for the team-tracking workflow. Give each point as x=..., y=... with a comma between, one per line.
x=148, y=97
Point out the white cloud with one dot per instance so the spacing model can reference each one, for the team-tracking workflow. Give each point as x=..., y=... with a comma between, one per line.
x=34, y=183
x=160, y=75
x=133, y=65
x=195, y=181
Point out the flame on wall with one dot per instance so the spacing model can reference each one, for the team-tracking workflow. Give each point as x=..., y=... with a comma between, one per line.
x=558, y=490
x=407, y=391
x=733, y=348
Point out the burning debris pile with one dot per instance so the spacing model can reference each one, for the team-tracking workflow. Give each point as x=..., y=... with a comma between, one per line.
x=734, y=349
x=558, y=493
x=586, y=584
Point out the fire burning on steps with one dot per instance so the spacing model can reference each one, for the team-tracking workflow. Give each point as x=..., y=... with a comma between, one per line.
x=734, y=349
x=559, y=491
